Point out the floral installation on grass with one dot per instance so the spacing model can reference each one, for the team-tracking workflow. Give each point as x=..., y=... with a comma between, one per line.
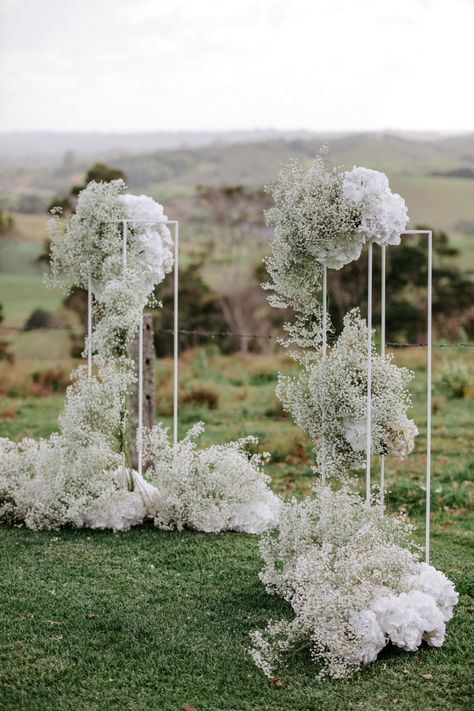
x=350, y=572
x=81, y=475
x=354, y=581
x=219, y=488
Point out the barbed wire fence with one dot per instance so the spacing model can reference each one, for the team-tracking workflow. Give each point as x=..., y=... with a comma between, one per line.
x=231, y=334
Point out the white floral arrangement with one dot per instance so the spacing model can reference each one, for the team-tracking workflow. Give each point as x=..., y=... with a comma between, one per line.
x=384, y=214
x=329, y=401
x=90, y=243
x=81, y=476
x=352, y=577
x=49, y=483
x=219, y=488
x=324, y=216
x=89, y=246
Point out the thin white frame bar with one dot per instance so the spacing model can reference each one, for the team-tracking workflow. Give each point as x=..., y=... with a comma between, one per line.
x=369, y=373
x=383, y=259
x=429, y=372
x=125, y=223
x=325, y=347
x=140, y=397
x=89, y=328
x=175, y=333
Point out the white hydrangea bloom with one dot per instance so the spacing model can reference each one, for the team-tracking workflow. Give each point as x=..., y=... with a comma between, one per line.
x=409, y=618
x=372, y=640
x=433, y=582
x=384, y=215
x=151, y=246
x=130, y=502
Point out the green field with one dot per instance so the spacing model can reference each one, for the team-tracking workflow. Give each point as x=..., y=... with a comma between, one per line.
x=153, y=620
x=148, y=619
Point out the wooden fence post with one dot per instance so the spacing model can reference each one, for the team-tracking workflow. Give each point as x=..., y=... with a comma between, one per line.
x=149, y=404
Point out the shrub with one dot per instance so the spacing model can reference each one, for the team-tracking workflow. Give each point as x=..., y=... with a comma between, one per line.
x=202, y=396
x=46, y=382
x=40, y=318
x=457, y=380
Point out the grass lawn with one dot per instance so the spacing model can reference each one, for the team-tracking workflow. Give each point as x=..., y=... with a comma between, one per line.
x=154, y=620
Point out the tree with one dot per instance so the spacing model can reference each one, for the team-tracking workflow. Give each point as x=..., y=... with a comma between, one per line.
x=6, y=223
x=5, y=350
x=100, y=172
x=406, y=292
x=199, y=310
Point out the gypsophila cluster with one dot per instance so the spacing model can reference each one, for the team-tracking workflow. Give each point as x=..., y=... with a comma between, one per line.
x=90, y=243
x=384, y=215
x=90, y=246
x=54, y=482
x=329, y=401
x=353, y=580
x=220, y=488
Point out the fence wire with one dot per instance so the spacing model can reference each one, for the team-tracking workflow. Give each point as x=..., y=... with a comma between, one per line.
x=231, y=334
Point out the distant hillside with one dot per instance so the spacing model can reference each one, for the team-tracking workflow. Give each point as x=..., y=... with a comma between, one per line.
x=50, y=147
x=429, y=171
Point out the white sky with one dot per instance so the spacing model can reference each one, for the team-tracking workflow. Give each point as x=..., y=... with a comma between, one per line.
x=130, y=65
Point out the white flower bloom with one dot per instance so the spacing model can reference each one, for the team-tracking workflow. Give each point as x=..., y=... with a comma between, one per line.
x=433, y=582
x=367, y=630
x=356, y=435
x=384, y=214
x=152, y=243
x=409, y=618
x=131, y=501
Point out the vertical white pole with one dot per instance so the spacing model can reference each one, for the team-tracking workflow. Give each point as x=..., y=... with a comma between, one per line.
x=369, y=373
x=325, y=306
x=124, y=245
x=382, y=351
x=176, y=340
x=325, y=329
x=428, y=395
x=89, y=328
x=140, y=396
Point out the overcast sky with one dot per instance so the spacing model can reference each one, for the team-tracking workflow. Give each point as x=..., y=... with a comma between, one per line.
x=131, y=65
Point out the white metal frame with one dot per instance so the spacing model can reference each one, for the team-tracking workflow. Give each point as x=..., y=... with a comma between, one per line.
x=429, y=235
x=125, y=223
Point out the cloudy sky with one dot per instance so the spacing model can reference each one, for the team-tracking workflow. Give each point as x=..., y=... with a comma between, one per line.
x=130, y=65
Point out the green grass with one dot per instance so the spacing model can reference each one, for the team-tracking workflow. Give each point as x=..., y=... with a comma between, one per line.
x=153, y=620
x=21, y=294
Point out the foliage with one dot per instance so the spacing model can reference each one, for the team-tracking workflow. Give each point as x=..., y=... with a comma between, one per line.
x=200, y=310
x=5, y=349
x=207, y=396
x=406, y=279
x=457, y=380
x=40, y=318
x=6, y=223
